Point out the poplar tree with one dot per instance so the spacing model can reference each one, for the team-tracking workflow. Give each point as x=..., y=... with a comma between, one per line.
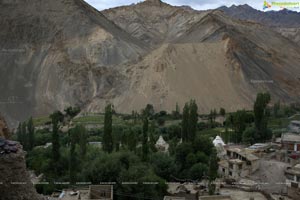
x=193, y=120
x=31, y=138
x=145, y=147
x=185, y=122
x=107, y=136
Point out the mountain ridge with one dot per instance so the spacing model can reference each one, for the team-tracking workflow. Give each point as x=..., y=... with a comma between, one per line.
x=64, y=52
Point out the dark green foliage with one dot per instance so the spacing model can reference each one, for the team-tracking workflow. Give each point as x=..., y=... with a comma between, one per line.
x=212, y=117
x=19, y=133
x=203, y=144
x=239, y=124
x=24, y=138
x=160, y=121
x=193, y=120
x=174, y=131
x=163, y=165
x=72, y=159
x=198, y=171
x=222, y=111
x=107, y=136
x=189, y=121
x=56, y=118
x=185, y=122
x=145, y=147
x=132, y=140
x=213, y=165
x=181, y=153
x=148, y=111
x=276, y=109
x=72, y=111
x=250, y=136
x=261, y=118
x=30, y=128
x=41, y=137
x=176, y=112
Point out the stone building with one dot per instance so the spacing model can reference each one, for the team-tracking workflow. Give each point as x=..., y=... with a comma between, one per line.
x=239, y=163
x=94, y=192
x=290, y=142
x=293, y=181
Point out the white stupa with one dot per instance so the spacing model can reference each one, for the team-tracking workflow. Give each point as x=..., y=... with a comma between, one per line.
x=218, y=140
x=162, y=145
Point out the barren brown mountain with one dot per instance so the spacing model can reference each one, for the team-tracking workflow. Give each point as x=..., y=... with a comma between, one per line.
x=63, y=52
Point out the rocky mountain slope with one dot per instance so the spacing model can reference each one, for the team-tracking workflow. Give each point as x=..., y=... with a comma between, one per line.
x=285, y=21
x=64, y=52
x=57, y=53
x=219, y=61
x=283, y=18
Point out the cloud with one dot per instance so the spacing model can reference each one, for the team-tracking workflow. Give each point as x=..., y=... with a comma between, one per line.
x=196, y=4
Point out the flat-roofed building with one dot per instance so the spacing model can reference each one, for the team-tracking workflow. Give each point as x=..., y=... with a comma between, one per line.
x=239, y=163
x=293, y=181
x=294, y=126
x=290, y=142
x=216, y=197
x=174, y=198
x=94, y=192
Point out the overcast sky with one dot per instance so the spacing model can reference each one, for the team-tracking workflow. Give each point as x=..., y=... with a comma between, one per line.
x=196, y=4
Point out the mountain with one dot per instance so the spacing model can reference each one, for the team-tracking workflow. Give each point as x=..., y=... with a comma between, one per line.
x=206, y=55
x=283, y=18
x=63, y=52
x=58, y=53
x=285, y=21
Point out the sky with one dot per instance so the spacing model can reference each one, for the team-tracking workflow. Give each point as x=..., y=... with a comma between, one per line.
x=195, y=4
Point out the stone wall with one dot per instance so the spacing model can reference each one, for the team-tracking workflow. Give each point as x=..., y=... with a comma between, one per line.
x=15, y=183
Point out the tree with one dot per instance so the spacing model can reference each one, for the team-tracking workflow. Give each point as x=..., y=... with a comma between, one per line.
x=260, y=116
x=24, y=136
x=276, y=108
x=163, y=164
x=72, y=111
x=19, y=133
x=107, y=136
x=185, y=122
x=132, y=140
x=197, y=171
x=176, y=113
x=239, y=124
x=213, y=165
x=193, y=120
x=148, y=111
x=212, y=171
x=72, y=159
x=145, y=148
x=82, y=139
x=55, y=138
x=212, y=117
x=250, y=136
x=30, y=128
x=222, y=112
x=152, y=142
x=181, y=153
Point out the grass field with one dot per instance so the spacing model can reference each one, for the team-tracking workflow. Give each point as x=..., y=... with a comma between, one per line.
x=41, y=120
x=96, y=119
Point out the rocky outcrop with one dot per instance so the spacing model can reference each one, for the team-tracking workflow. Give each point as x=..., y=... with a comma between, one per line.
x=14, y=179
x=4, y=130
